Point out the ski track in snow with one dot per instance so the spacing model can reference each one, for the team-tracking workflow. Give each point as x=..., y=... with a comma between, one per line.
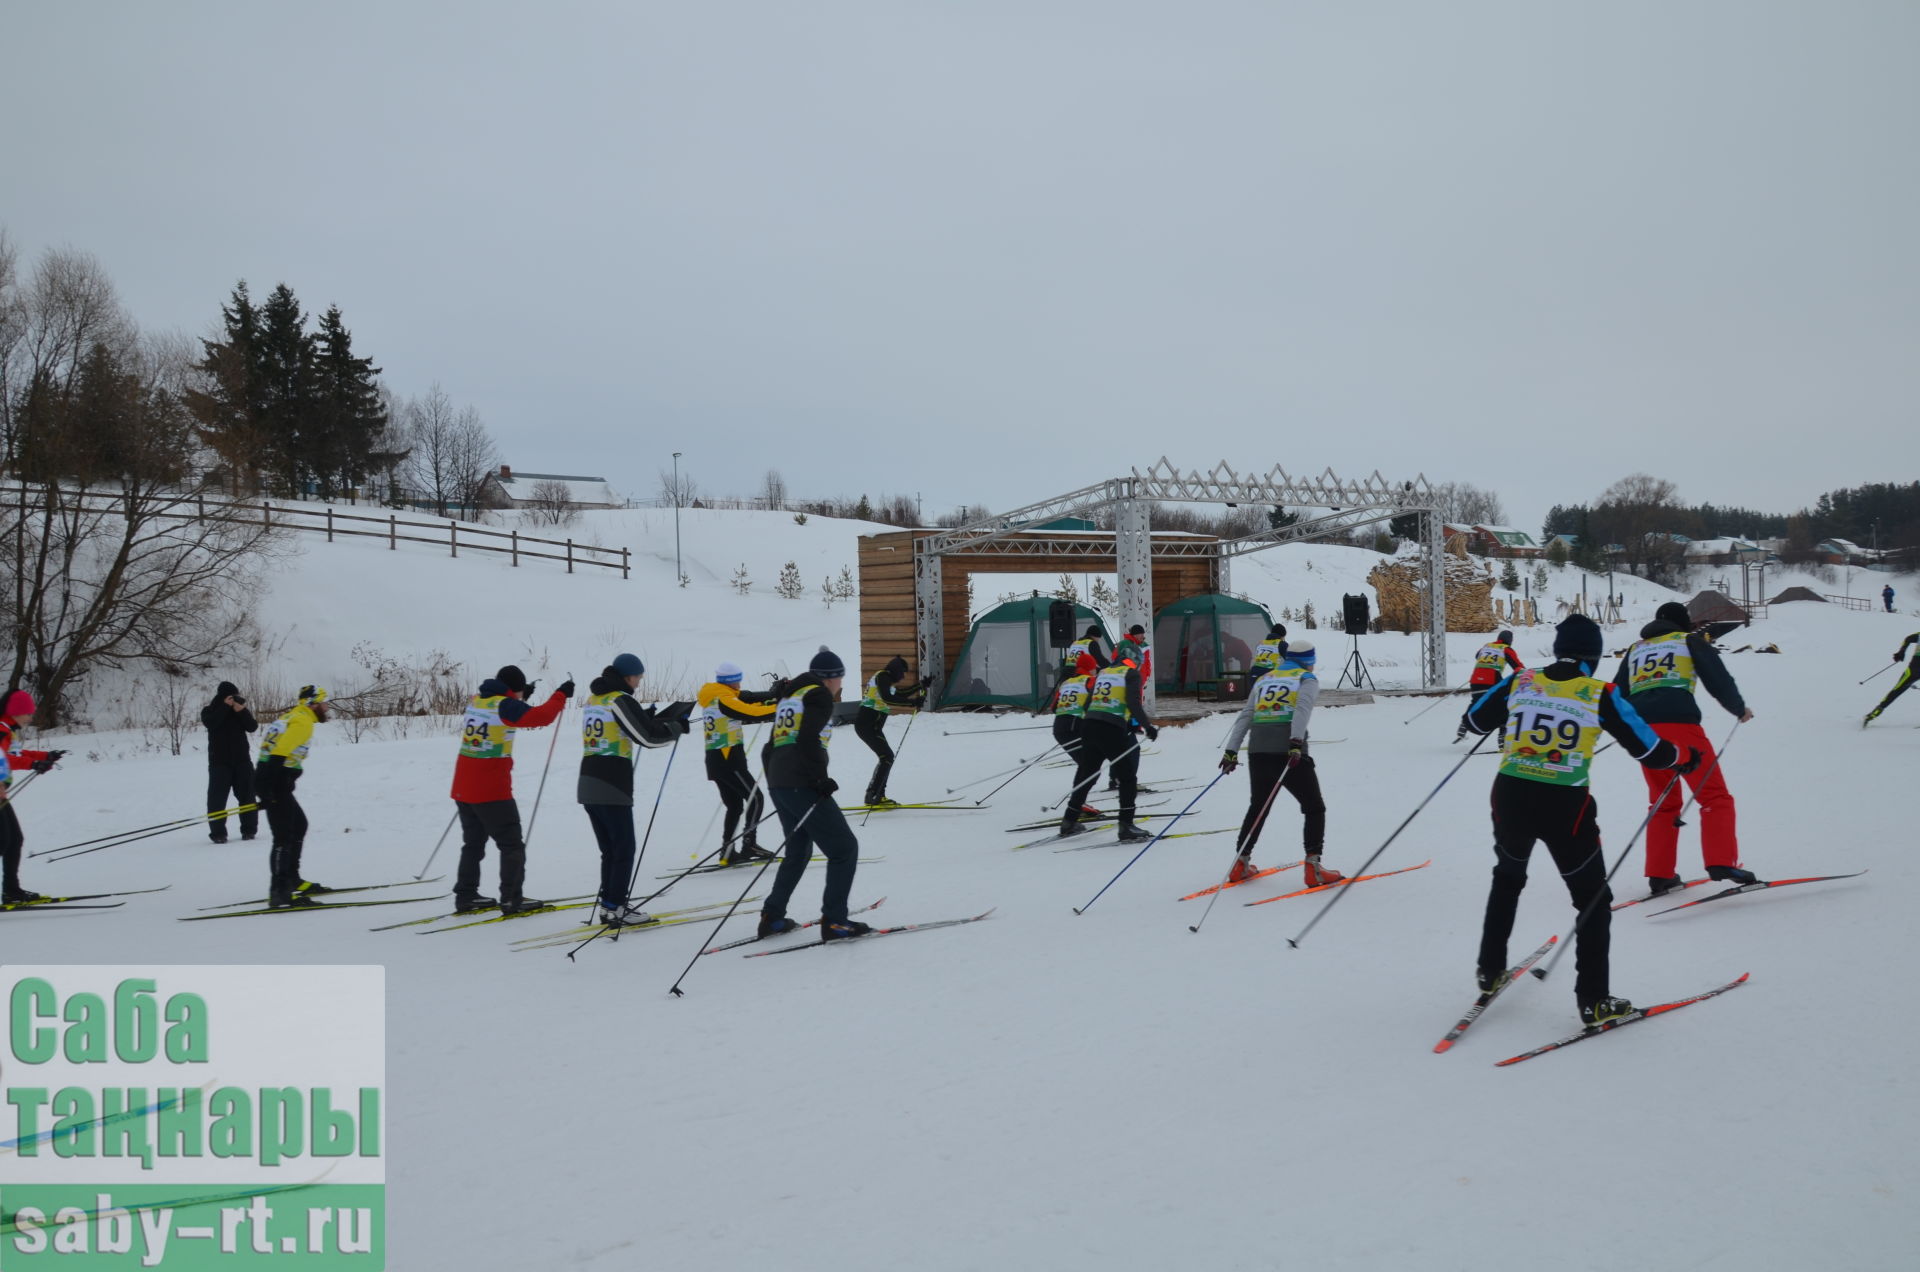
x=1048, y=1091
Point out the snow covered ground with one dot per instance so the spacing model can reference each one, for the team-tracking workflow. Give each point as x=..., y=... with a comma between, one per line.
x=1042, y=1090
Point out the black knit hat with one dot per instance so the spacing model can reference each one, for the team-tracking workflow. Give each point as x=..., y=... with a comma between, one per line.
x=827, y=665
x=1578, y=637
x=1092, y=632
x=1674, y=612
x=512, y=677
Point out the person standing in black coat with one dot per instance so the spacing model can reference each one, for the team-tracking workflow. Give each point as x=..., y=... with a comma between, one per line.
x=228, y=720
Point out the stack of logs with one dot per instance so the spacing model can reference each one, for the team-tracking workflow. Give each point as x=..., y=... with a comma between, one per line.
x=1401, y=586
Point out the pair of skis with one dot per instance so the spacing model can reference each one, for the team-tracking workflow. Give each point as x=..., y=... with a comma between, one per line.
x=81, y=901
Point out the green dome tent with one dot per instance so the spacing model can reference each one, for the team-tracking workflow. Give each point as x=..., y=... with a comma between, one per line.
x=1007, y=660
x=1198, y=641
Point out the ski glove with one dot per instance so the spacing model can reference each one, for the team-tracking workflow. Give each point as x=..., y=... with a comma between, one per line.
x=566, y=689
x=1230, y=761
x=1153, y=733
x=826, y=786
x=1296, y=751
x=1689, y=764
x=43, y=766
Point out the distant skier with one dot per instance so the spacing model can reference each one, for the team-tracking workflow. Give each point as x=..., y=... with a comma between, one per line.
x=1490, y=664
x=1084, y=656
x=1906, y=677
x=1541, y=794
x=1267, y=656
x=1108, y=735
x=1886, y=597
x=724, y=707
x=228, y=720
x=483, y=787
x=283, y=758
x=1658, y=675
x=1070, y=700
x=611, y=724
x=1278, y=711
x=884, y=696
x=796, y=765
x=19, y=710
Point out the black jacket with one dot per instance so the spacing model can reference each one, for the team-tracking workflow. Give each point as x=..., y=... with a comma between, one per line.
x=1677, y=706
x=802, y=763
x=608, y=779
x=227, y=729
x=1618, y=716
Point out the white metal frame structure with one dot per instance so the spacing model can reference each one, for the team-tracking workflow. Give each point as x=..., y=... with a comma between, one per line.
x=1352, y=504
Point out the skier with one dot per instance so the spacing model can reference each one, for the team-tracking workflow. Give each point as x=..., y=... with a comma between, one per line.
x=228, y=720
x=1267, y=657
x=796, y=765
x=1107, y=735
x=613, y=723
x=1886, y=597
x=20, y=709
x=483, y=787
x=1540, y=794
x=1490, y=663
x=1083, y=657
x=724, y=707
x=1277, y=713
x=1906, y=677
x=1658, y=676
x=1070, y=699
x=283, y=758
x=883, y=697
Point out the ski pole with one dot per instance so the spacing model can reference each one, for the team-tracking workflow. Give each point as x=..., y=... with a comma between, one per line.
x=1883, y=671
x=12, y=790
x=1546, y=967
x=1339, y=892
x=140, y=831
x=1012, y=728
x=633, y=876
x=1068, y=747
x=1070, y=790
x=1436, y=702
x=675, y=989
x=1680, y=818
x=1240, y=849
x=552, y=745
x=1003, y=772
x=439, y=843
x=1158, y=836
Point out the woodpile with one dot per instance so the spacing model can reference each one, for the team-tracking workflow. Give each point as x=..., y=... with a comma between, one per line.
x=1401, y=586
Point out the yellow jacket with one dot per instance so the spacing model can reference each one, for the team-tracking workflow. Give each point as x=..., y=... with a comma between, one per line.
x=722, y=707
x=289, y=737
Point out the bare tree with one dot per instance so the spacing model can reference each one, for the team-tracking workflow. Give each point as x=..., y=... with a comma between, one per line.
x=450, y=454
x=550, y=504
x=1465, y=504
x=773, y=490
x=1639, y=512
x=678, y=491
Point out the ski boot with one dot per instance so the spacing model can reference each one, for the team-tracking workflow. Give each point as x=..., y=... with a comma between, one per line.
x=1132, y=834
x=1318, y=874
x=1731, y=874
x=475, y=904
x=843, y=929
x=1243, y=868
x=314, y=889
x=1070, y=827
x=1491, y=982
x=17, y=895
x=289, y=901
x=520, y=905
x=1660, y=887
x=1602, y=1010
x=623, y=915
x=775, y=924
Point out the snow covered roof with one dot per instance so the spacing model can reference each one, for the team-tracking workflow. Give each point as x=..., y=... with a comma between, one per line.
x=587, y=492
x=1847, y=546
x=1720, y=547
x=1508, y=536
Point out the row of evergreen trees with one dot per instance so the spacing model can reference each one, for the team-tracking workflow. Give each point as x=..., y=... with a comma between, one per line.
x=288, y=408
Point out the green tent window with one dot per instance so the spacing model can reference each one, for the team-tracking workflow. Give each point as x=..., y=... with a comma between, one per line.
x=1201, y=641
x=1007, y=660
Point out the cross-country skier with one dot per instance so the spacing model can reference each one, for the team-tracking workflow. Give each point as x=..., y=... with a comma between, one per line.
x=1901, y=685
x=283, y=758
x=796, y=765
x=1107, y=735
x=1267, y=656
x=1278, y=710
x=228, y=720
x=1084, y=656
x=1658, y=676
x=1491, y=662
x=724, y=707
x=19, y=710
x=1550, y=719
x=612, y=723
x=1070, y=698
x=483, y=787
x=884, y=696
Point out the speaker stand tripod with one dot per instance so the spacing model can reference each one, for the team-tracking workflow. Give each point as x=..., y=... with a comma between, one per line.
x=1356, y=668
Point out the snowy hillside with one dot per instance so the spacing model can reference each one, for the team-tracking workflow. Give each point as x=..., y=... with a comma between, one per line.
x=1040, y=1090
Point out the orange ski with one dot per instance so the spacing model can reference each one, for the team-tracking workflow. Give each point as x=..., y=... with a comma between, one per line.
x=1343, y=883
x=1258, y=874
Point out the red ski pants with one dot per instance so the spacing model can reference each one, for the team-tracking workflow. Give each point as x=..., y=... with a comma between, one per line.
x=1719, y=842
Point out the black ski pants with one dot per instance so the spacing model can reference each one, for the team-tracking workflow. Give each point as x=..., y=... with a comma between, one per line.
x=238, y=779
x=12, y=841
x=286, y=822
x=1901, y=685
x=740, y=795
x=1266, y=771
x=613, y=830
x=813, y=820
x=870, y=727
x=1116, y=747
x=498, y=820
x=1565, y=819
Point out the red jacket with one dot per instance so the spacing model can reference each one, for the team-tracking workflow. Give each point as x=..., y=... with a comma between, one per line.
x=17, y=762
x=478, y=780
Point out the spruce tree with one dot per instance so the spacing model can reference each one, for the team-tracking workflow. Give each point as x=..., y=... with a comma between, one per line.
x=348, y=420
x=286, y=386
x=228, y=412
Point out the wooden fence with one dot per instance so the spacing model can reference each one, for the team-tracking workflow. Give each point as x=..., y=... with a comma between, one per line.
x=452, y=535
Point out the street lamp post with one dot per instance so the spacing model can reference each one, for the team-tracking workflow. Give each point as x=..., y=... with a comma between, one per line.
x=678, y=572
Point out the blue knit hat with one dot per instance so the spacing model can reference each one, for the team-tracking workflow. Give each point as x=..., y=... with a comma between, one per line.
x=827, y=665
x=728, y=673
x=628, y=665
x=1301, y=652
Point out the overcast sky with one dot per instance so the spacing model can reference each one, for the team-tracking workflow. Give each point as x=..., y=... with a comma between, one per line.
x=992, y=251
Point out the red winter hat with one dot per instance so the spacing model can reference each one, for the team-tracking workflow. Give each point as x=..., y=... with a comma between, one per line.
x=19, y=703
